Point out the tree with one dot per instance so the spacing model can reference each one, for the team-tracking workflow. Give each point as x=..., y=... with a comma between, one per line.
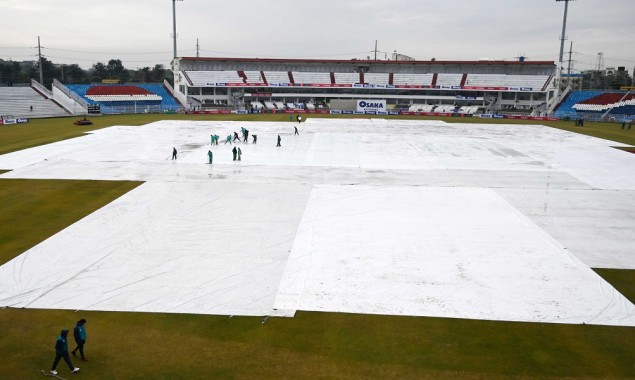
x=116, y=70
x=49, y=69
x=158, y=73
x=100, y=71
x=74, y=74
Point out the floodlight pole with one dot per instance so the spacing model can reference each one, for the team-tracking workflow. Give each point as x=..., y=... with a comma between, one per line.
x=562, y=39
x=174, y=24
x=564, y=28
x=39, y=59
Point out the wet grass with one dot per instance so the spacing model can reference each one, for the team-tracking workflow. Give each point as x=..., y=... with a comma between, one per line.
x=311, y=345
x=315, y=346
x=34, y=210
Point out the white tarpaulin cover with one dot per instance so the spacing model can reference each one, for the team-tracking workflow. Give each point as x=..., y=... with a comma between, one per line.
x=424, y=218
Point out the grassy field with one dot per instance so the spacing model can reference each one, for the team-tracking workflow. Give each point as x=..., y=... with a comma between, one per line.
x=311, y=345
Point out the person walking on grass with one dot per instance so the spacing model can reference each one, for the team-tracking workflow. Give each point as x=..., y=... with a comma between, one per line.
x=234, y=151
x=61, y=351
x=79, y=333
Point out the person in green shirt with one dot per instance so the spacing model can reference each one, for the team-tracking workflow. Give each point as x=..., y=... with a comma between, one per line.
x=79, y=333
x=61, y=351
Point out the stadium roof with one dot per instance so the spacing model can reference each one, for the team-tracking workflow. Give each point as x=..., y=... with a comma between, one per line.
x=366, y=61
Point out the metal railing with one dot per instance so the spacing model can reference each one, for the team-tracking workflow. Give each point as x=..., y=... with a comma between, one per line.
x=60, y=86
x=41, y=89
x=137, y=109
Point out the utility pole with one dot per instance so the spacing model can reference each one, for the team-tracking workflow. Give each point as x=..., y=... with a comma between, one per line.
x=569, y=68
x=197, y=48
x=39, y=54
x=375, y=50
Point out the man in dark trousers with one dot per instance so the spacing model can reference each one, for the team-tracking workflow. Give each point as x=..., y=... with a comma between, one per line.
x=61, y=351
x=296, y=130
x=79, y=333
x=210, y=155
x=236, y=137
x=234, y=151
x=279, y=139
x=174, y=153
x=255, y=138
x=246, y=134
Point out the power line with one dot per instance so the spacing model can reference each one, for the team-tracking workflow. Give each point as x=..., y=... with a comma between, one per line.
x=105, y=52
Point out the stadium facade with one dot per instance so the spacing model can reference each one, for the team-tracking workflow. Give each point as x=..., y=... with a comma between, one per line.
x=486, y=86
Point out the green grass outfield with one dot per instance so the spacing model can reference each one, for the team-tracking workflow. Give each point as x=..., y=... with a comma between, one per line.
x=311, y=345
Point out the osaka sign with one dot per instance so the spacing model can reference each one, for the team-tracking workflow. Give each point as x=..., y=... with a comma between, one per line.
x=371, y=106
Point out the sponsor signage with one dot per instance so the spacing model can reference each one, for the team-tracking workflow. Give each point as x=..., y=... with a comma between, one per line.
x=485, y=88
x=94, y=109
x=22, y=120
x=336, y=112
x=371, y=105
x=10, y=121
x=543, y=118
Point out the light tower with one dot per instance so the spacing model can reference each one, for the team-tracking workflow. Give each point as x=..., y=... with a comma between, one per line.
x=562, y=38
x=174, y=24
x=564, y=28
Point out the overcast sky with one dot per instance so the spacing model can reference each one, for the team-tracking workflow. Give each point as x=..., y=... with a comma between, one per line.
x=139, y=31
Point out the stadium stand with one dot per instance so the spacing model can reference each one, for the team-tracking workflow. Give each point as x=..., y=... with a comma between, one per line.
x=412, y=79
x=421, y=108
x=566, y=108
x=377, y=78
x=449, y=80
x=499, y=80
x=311, y=78
x=598, y=105
x=492, y=86
x=17, y=102
x=205, y=78
x=257, y=105
x=127, y=98
x=347, y=78
x=253, y=77
x=277, y=77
